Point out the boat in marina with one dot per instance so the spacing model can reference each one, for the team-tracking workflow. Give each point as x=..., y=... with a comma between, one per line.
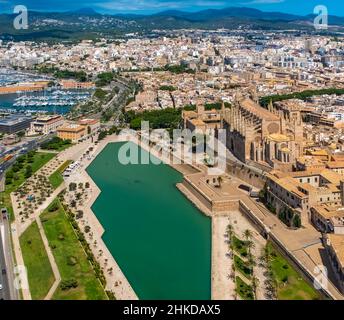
x=51, y=98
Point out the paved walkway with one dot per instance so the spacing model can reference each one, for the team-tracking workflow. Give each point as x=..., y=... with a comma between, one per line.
x=19, y=258
x=223, y=287
x=116, y=280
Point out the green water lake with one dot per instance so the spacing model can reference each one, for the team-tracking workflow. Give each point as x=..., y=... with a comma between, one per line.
x=161, y=242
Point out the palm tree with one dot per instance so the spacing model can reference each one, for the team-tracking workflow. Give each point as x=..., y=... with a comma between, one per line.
x=230, y=235
x=247, y=234
x=250, y=245
x=232, y=274
x=255, y=283
x=229, y=230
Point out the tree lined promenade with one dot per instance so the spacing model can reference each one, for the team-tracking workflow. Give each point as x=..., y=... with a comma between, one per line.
x=81, y=203
x=77, y=277
x=30, y=197
x=24, y=167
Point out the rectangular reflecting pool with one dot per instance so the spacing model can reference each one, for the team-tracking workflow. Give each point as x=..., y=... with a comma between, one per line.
x=160, y=240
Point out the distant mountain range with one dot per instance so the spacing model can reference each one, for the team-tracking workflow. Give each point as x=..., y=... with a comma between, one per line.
x=87, y=23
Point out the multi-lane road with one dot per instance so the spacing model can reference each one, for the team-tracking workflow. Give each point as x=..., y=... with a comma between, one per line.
x=8, y=291
x=21, y=149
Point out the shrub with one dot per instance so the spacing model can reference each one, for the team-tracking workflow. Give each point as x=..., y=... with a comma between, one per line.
x=9, y=174
x=110, y=295
x=28, y=171
x=53, y=207
x=61, y=237
x=72, y=261
x=297, y=221
x=72, y=186
x=243, y=266
x=79, y=214
x=87, y=229
x=68, y=284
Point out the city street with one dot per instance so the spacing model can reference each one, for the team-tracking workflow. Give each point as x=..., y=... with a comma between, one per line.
x=6, y=265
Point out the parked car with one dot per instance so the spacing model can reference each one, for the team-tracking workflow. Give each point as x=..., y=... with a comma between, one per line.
x=4, y=213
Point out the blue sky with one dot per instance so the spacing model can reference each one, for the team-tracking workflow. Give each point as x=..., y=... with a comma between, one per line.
x=335, y=7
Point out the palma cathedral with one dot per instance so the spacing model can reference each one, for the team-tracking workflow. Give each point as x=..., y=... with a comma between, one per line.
x=267, y=138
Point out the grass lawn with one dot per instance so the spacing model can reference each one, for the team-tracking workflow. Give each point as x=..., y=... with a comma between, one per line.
x=70, y=258
x=244, y=291
x=63, y=147
x=56, y=144
x=290, y=284
x=243, y=267
x=240, y=246
x=40, y=274
x=56, y=178
x=39, y=160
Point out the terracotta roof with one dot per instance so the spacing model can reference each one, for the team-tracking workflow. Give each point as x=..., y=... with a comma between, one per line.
x=71, y=128
x=337, y=243
x=335, y=164
x=197, y=122
x=88, y=121
x=327, y=211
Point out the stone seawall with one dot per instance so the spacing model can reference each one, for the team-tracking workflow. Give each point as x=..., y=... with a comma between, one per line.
x=200, y=199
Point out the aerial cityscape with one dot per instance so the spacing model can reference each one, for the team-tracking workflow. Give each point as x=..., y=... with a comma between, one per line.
x=157, y=150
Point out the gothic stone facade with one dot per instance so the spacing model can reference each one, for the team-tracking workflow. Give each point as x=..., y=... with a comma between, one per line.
x=264, y=136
